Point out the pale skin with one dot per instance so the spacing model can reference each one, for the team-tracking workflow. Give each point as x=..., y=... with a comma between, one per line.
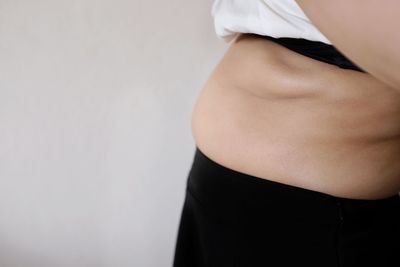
x=366, y=31
x=275, y=114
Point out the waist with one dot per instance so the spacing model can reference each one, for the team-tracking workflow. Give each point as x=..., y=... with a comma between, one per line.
x=208, y=181
x=274, y=113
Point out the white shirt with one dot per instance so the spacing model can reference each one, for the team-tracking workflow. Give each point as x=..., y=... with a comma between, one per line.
x=275, y=18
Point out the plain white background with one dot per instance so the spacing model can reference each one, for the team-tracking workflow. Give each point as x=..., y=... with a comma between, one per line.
x=95, y=137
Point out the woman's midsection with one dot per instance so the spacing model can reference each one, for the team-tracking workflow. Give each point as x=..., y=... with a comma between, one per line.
x=272, y=113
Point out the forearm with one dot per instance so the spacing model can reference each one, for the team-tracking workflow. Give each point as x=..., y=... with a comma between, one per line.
x=366, y=31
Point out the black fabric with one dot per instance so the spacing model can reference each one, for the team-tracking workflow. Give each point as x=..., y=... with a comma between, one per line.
x=316, y=50
x=231, y=219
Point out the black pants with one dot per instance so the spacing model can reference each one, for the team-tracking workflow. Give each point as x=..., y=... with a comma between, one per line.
x=231, y=219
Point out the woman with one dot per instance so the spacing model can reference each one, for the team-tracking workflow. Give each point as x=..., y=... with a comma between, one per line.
x=297, y=157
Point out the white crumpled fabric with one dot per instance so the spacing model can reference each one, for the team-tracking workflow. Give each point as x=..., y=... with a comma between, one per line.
x=275, y=18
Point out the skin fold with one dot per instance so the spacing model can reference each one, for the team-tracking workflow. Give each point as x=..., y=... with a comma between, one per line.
x=273, y=113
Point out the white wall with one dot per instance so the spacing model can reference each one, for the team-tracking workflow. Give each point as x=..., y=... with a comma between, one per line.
x=95, y=139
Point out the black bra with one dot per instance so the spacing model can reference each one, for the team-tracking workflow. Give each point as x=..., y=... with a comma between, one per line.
x=316, y=50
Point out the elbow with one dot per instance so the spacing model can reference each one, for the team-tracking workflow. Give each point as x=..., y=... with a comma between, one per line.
x=390, y=78
x=386, y=72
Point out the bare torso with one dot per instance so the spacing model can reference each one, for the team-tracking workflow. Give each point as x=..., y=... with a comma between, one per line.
x=275, y=114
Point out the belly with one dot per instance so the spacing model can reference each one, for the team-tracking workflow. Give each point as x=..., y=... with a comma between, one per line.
x=272, y=113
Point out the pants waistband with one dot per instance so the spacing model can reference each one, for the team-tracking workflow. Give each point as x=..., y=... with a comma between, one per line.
x=221, y=187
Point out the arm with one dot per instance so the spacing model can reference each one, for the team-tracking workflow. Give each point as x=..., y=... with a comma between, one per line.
x=366, y=31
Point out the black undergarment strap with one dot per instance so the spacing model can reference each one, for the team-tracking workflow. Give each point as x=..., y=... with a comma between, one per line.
x=316, y=50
